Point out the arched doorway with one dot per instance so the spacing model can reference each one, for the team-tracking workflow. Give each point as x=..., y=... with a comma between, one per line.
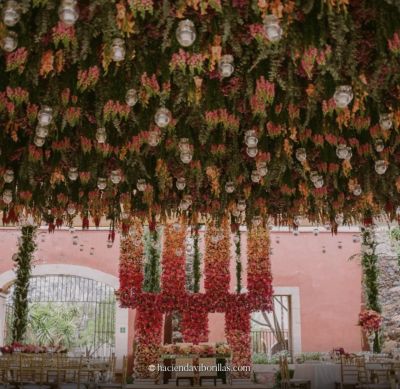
x=121, y=315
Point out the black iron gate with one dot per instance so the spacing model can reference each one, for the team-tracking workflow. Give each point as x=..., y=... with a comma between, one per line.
x=74, y=312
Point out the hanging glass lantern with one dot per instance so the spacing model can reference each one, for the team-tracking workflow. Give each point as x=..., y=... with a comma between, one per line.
x=250, y=138
x=8, y=176
x=163, y=117
x=257, y=220
x=379, y=145
x=262, y=168
x=301, y=154
x=381, y=166
x=180, y=183
x=186, y=157
x=115, y=176
x=154, y=138
x=118, y=50
x=184, y=205
x=68, y=12
x=7, y=196
x=342, y=151
x=71, y=210
x=241, y=205
x=11, y=13
x=101, y=135
x=73, y=173
x=229, y=187
x=297, y=220
x=319, y=182
x=9, y=42
x=339, y=219
x=42, y=131
x=386, y=121
x=141, y=185
x=102, y=183
x=39, y=141
x=343, y=96
x=235, y=212
x=255, y=176
x=131, y=97
x=226, y=67
x=252, y=151
x=349, y=154
x=272, y=28
x=184, y=145
x=45, y=115
x=314, y=176
x=357, y=190
x=186, y=33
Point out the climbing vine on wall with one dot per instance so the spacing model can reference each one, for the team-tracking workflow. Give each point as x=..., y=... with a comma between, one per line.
x=23, y=267
x=237, y=242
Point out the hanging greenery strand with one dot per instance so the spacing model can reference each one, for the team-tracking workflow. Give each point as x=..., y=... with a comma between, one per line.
x=23, y=268
x=152, y=266
x=196, y=260
x=238, y=262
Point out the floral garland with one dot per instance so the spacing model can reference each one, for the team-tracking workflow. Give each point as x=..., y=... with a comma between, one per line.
x=148, y=332
x=152, y=265
x=237, y=241
x=216, y=264
x=131, y=264
x=259, y=277
x=370, y=321
x=237, y=330
x=196, y=260
x=23, y=268
x=194, y=322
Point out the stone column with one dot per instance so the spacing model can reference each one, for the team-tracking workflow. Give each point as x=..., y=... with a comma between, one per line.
x=389, y=290
x=3, y=297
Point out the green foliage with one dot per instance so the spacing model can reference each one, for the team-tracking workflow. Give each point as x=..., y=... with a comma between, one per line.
x=23, y=268
x=196, y=260
x=152, y=265
x=395, y=238
x=261, y=359
x=238, y=263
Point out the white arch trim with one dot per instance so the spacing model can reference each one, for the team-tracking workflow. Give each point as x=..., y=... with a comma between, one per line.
x=121, y=316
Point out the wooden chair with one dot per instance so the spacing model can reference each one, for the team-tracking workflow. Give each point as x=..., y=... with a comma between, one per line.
x=4, y=361
x=117, y=385
x=210, y=364
x=182, y=375
x=286, y=381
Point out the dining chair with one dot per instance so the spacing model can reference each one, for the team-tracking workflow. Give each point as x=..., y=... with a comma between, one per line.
x=286, y=381
x=184, y=370
x=208, y=370
x=116, y=385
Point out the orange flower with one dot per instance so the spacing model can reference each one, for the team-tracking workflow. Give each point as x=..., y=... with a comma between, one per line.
x=47, y=63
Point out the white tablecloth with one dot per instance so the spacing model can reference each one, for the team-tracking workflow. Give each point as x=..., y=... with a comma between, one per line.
x=321, y=375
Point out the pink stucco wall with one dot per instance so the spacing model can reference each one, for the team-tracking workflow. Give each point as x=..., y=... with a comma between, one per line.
x=329, y=284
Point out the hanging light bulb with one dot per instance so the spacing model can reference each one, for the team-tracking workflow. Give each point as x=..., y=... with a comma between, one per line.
x=314, y=176
x=115, y=177
x=102, y=183
x=186, y=157
x=252, y=151
x=272, y=28
x=343, y=96
x=68, y=12
x=184, y=205
x=255, y=176
x=7, y=196
x=154, y=138
x=357, y=190
x=180, y=183
x=73, y=173
x=71, y=210
x=11, y=13
x=162, y=117
x=262, y=168
x=386, y=121
x=339, y=219
x=226, y=67
x=141, y=185
x=257, y=220
x=8, y=176
x=45, y=115
x=101, y=135
x=184, y=145
x=39, y=141
x=241, y=205
x=319, y=182
x=250, y=138
x=229, y=187
x=379, y=145
x=342, y=151
x=349, y=154
x=186, y=33
x=9, y=42
x=118, y=50
x=42, y=131
x=381, y=166
x=297, y=220
x=301, y=154
x=131, y=97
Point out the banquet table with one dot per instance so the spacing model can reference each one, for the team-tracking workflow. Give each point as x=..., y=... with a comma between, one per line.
x=322, y=375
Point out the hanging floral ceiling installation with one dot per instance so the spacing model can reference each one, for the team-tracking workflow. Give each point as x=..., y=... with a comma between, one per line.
x=291, y=107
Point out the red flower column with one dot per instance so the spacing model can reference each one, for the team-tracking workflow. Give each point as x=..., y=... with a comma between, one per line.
x=194, y=321
x=259, y=277
x=216, y=266
x=131, y=265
